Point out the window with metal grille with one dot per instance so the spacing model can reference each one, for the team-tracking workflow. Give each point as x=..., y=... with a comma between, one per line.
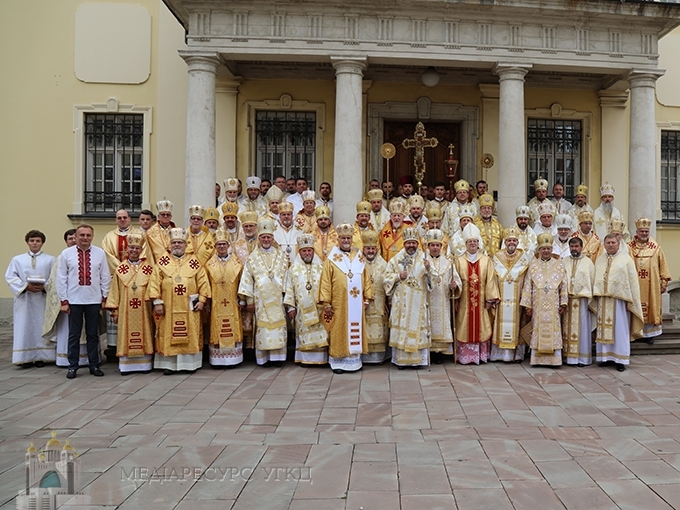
x=286, y=144
x=554, y=154
x=670, y=161
x=113, y=156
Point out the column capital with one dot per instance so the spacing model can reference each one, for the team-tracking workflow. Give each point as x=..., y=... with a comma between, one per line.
x=613, y=98
x=511, y=71
x=351, y=65
x=201, y=60
x=644, y=77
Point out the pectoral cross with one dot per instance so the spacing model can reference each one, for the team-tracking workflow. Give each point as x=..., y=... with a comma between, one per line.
x=419, y=142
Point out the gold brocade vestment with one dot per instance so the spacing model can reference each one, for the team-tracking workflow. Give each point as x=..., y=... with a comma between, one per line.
x=652, y=270
x=473, y=320
x=225, y=316
x=510, y=272
x=580, y=273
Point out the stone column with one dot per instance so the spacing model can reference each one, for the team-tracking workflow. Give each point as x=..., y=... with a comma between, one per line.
x=613, y=105
x=226, y=90
x=512, y=167
x=348, y=165
x=199, y=177
x=642, y=182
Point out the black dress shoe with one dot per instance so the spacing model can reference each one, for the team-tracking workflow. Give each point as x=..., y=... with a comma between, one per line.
x=167, y=371
x=97, y=372
x=437, y=358
x=25, y=365
x=39, y=364
x=71, y=374
x=338, y=371
x=620, y=367
x=277, y=364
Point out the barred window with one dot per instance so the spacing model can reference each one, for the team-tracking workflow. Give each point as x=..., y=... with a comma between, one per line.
x=554, y=153
x=670, y=160
x=286, y=144
x=113, y=158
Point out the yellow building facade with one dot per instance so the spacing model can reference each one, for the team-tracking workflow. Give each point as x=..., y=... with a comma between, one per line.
x=201, y=82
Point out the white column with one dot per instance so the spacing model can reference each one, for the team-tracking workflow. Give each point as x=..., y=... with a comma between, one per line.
x=199, y=177
x=512, y=168
x=613, y=105
x=347, y=160
x=226, y=90
x=642, y=193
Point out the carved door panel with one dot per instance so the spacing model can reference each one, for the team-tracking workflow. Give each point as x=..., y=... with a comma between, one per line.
x=445, y=132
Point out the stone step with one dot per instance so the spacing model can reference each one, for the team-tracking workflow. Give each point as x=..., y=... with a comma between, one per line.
x=667, y=343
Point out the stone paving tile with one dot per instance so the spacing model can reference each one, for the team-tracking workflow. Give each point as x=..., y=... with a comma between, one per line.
x=370, y=500
x=633, y=495
x=423, y=479
x=586, y=498
x=564, y=474
x=428, y=502
x=532, y=495
x=473, y=499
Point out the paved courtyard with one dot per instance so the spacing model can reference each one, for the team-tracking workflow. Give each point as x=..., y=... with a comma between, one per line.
x=494, y=436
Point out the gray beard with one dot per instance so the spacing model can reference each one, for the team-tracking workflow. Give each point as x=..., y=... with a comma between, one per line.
x=608, y=208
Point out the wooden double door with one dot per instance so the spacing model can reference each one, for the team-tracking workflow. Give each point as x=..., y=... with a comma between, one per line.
x=446, y=133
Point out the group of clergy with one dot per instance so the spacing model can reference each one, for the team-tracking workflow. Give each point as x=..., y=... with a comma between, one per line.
x=410, y=281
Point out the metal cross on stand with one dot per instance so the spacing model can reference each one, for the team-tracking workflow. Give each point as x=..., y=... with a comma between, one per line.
x=419, y=142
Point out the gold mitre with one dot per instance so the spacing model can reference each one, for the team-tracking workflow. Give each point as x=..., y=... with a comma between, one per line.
x=253, y=181
x=511, y=232
x=606, y=189
x=523, y=211
x=416, y=201
x=221, y=235
x=164, y=206
x=540, y=185
x=344, y=229
x=136, y=238
x=434, y=235
x=363, y=207
x=305, y=241
x=434, y=213
x=563, y=221
x=369, y=238
x=285, y=206
x=274, y=194
x=230, y=184
x=643, y=223
x=211, y=214
x=265, y=226
x=230, y=209
x=410, y=234
x=486, y=200
x=546, y=207
x=581, y=189
x=467, y=211
x=374, y=194
x=178, y=234
x=461, y=184
x=544, y=240
x=397, y=207
x=470, y=231
x=308, y=195
x=322, y=212
x=617, y=226
x=585, y=216
x=196, y=210
x=248, y=218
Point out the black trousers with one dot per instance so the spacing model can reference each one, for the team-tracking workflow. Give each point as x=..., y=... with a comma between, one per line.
x=90, y=313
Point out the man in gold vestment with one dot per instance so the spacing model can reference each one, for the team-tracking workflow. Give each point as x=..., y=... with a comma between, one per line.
x=488, y=225
x=345, y=291
x=390, y=235
x=377, y=315
x=226, y=336
x=300, y=300
x=179, y=288
x=129, y=309
x=158, y=237
x=305, y=220
x=592, y=244
x=577, y=324
x=262, y=289
x=479, y=294
x=510, y=265
x=616, y=300
x=201, y=242
x=362, y=223
x=406, y=284
x=544, y=296
x=653, y=276
x=325, y=236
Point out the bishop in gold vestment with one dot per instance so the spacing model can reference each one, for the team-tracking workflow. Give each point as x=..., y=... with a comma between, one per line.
x=479, y=294
x=158, y=235
x=226, y=336
x=345, y=290
x=262, y=288
x=391, y=241
x=129, y=309
x=545, y=298
x=653, y=276
x=377, y=315
x=577, y=324
x=179, y=289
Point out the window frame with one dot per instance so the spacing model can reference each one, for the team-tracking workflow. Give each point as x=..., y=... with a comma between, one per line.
x=671, y=127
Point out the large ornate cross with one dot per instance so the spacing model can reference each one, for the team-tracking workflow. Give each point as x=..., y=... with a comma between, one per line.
x=419, y=142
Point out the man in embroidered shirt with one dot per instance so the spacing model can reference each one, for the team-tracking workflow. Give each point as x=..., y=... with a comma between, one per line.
x=83, y=280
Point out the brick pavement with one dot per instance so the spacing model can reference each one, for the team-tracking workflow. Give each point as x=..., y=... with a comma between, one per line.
x=494, y=436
